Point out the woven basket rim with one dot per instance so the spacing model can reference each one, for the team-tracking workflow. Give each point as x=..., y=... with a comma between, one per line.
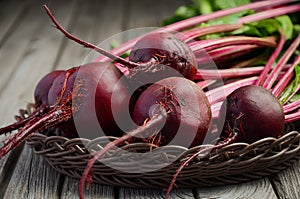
x=231, y=164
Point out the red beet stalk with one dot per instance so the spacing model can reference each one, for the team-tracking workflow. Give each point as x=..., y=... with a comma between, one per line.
x=284, y=59
x=232, y=40
x=291, y=106
x=271, y=61
x=292, y=117
x=206, y=74
x=220, y=93
x=200, y=19
x=197, y=32
x=286, y=78
x=269, y=14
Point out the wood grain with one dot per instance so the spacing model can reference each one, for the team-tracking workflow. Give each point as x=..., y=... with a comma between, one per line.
x=131, y=193
x=33, y=178
x=287, y=182
x=70, y=190
x=10, y=20
x=256, y=189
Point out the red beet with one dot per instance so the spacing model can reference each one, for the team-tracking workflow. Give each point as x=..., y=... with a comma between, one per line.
x=62, y=86
x=254, y=113
x=80, y=96
x=164, y=49
x=112, y=113
x=189, y=112
x=42, y=88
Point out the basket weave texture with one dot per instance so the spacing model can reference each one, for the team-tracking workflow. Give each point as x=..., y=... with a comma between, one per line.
x=232, y=164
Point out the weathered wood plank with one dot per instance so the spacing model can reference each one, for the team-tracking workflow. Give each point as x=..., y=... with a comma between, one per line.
x=70, y=190
x=8, y=20
x=255, y=189
x=12, y=51
x=10, y=16
x=141, y=17
x=32, y=177
x=94, y=24
x=131, y=193
x=7, y=166
x=287, y=182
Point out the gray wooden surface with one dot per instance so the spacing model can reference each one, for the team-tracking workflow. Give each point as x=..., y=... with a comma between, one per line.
x=30, y=47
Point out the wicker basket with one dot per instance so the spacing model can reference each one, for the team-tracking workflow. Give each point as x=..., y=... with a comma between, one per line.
x=235, y=163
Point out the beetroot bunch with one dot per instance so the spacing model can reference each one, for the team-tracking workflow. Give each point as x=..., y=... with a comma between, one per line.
x=165, y=98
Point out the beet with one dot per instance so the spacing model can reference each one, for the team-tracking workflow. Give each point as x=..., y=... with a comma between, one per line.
x=79, y=102
x=189, y=112
x=62, y=86
x=108, y=97
x=254, y=112
x=164, y=49
x=42, y=88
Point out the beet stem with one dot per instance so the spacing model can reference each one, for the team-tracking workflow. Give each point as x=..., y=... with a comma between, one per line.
x=286, y=78
x=271, y=61
x=215, y=110
x=291, y=106
x=204, y=74
x=221, y=13
x=232, y=40
x=275, y=72
x=269, y=14
x=248, y=62
x=200, y=19
x=197, y=32
x=293, y=94
x=221, y=144
x=292, y=117
x=155, y=121
x=87, y=44
x=205, y=83
x=220, y=93
x=226, y=53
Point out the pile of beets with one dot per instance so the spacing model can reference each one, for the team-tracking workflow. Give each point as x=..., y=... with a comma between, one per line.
x=159, y=94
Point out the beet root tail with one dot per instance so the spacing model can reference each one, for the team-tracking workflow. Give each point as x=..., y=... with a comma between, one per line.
x=150, y=125
x=22, y=122
x=49, y=119
x=229, y=140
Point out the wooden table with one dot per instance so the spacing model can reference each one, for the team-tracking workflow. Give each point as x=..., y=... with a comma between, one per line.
x=30, y=47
